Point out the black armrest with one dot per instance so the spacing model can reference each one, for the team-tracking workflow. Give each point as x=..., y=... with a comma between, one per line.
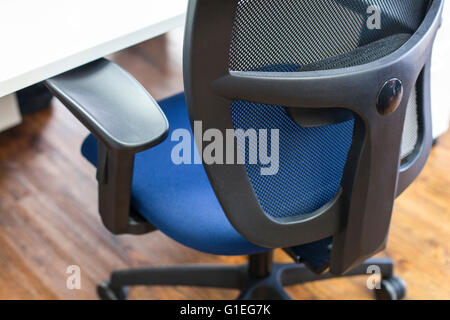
x=112, y=105
x=125, y=119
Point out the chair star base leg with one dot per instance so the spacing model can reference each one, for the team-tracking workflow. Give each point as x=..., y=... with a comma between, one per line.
x=260, y=279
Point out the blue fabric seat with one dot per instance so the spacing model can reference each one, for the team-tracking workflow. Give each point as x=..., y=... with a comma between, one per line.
x=179, y=199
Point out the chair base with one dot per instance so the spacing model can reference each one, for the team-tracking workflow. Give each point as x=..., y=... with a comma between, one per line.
x=260, y=279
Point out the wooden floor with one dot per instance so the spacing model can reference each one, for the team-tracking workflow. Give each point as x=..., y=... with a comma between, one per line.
x=48, y=211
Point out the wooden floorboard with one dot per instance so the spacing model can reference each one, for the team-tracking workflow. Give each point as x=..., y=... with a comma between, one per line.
x=49, y=220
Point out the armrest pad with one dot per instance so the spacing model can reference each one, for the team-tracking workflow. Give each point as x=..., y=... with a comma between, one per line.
x=112, y=105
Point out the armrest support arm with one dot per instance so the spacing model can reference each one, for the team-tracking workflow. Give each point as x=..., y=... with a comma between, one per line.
x=125, y=119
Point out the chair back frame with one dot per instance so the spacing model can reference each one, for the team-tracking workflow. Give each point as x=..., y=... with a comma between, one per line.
x=359, y=216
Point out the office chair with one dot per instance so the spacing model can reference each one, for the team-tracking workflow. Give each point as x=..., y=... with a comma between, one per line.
x=350, y=101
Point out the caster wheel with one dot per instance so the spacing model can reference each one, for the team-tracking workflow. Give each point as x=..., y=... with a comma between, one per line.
x=392, y=288
x=106, y=292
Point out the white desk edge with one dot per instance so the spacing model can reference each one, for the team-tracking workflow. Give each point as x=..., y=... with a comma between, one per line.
x=80, y=58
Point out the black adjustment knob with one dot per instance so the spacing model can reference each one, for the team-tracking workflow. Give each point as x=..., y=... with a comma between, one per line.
x=390, y=96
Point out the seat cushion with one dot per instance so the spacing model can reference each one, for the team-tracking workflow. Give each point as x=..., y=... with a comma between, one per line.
x=179, y=199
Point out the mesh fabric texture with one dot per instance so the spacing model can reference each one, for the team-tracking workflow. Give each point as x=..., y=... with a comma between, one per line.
x=311, y=160
x=304, y=35
x=300, y=32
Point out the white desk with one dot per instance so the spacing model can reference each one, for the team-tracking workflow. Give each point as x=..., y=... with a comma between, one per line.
x=40, y=39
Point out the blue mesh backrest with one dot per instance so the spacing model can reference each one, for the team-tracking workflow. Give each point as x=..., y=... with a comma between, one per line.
x=311, y=160
x=296, y=35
